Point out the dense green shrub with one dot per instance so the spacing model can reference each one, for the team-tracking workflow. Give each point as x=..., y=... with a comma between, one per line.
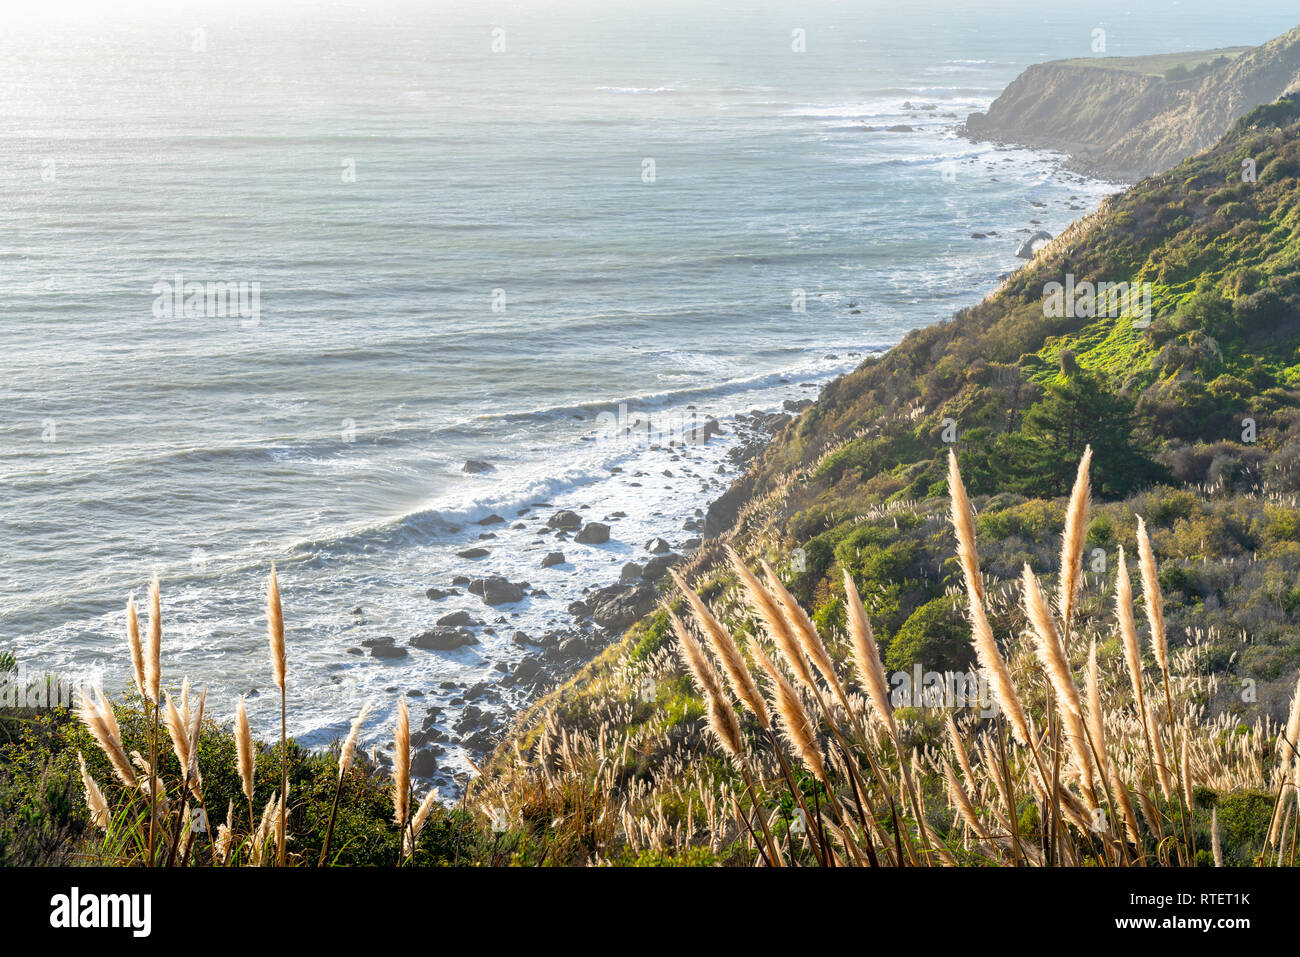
x=935, y=636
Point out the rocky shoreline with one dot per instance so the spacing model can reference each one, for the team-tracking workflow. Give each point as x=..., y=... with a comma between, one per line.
x=478, y=714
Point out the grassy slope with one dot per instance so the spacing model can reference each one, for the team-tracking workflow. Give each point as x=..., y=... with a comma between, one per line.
x=1199, y=235
x=1157, y=64
x=44, y=820
x=857, y=480
x=1196, y=226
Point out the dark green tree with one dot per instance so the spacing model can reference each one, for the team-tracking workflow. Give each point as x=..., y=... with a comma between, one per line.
x=1076, y=410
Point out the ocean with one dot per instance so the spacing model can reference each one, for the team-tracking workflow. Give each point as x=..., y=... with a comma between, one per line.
x=434, y=233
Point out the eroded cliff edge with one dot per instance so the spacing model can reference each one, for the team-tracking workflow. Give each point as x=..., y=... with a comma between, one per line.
x=1125, y=118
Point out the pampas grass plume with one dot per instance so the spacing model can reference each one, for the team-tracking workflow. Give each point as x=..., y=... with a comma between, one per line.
x=275, y=629
x=402, y=765
x=99, y=813
x=245, y=753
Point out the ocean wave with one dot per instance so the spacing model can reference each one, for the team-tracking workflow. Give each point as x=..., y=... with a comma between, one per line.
x=987, y=94
x=441, y=520
x=898, y=104
x=637, y=90
x=557, y=472
x=928, y=159
x=864, y=110
x=650, y=401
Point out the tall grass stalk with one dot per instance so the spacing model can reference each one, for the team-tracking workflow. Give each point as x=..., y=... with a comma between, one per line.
x=275, y=634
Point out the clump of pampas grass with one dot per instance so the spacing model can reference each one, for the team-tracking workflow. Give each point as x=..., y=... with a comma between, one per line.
x=1072, y=731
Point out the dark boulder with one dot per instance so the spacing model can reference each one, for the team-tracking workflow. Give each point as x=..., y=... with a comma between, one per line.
x=472, y=719
x=566, y=520
x=457, y=618
x=480, y=742
x=593, y=533
x=424, y=764
x=496, y=591
x=658, y=566
x=383, y=648
x=443, y=639
x=528, y=668
x=621, y=610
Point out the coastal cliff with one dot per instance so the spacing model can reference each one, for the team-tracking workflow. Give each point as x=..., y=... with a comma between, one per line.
x=1125, y=118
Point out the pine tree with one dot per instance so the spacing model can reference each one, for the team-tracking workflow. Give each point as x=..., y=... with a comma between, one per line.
x=1075, y=411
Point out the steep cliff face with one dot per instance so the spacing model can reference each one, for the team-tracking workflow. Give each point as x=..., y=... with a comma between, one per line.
x=1126, y=123
x=1080, y=110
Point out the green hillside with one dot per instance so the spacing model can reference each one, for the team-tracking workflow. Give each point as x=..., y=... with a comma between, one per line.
x=858, y=480
x=1167, y=408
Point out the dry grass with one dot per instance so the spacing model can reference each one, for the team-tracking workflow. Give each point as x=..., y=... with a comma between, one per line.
x=401, y=765
x=1074, y=769
x=275, y=634
x=152, y=820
